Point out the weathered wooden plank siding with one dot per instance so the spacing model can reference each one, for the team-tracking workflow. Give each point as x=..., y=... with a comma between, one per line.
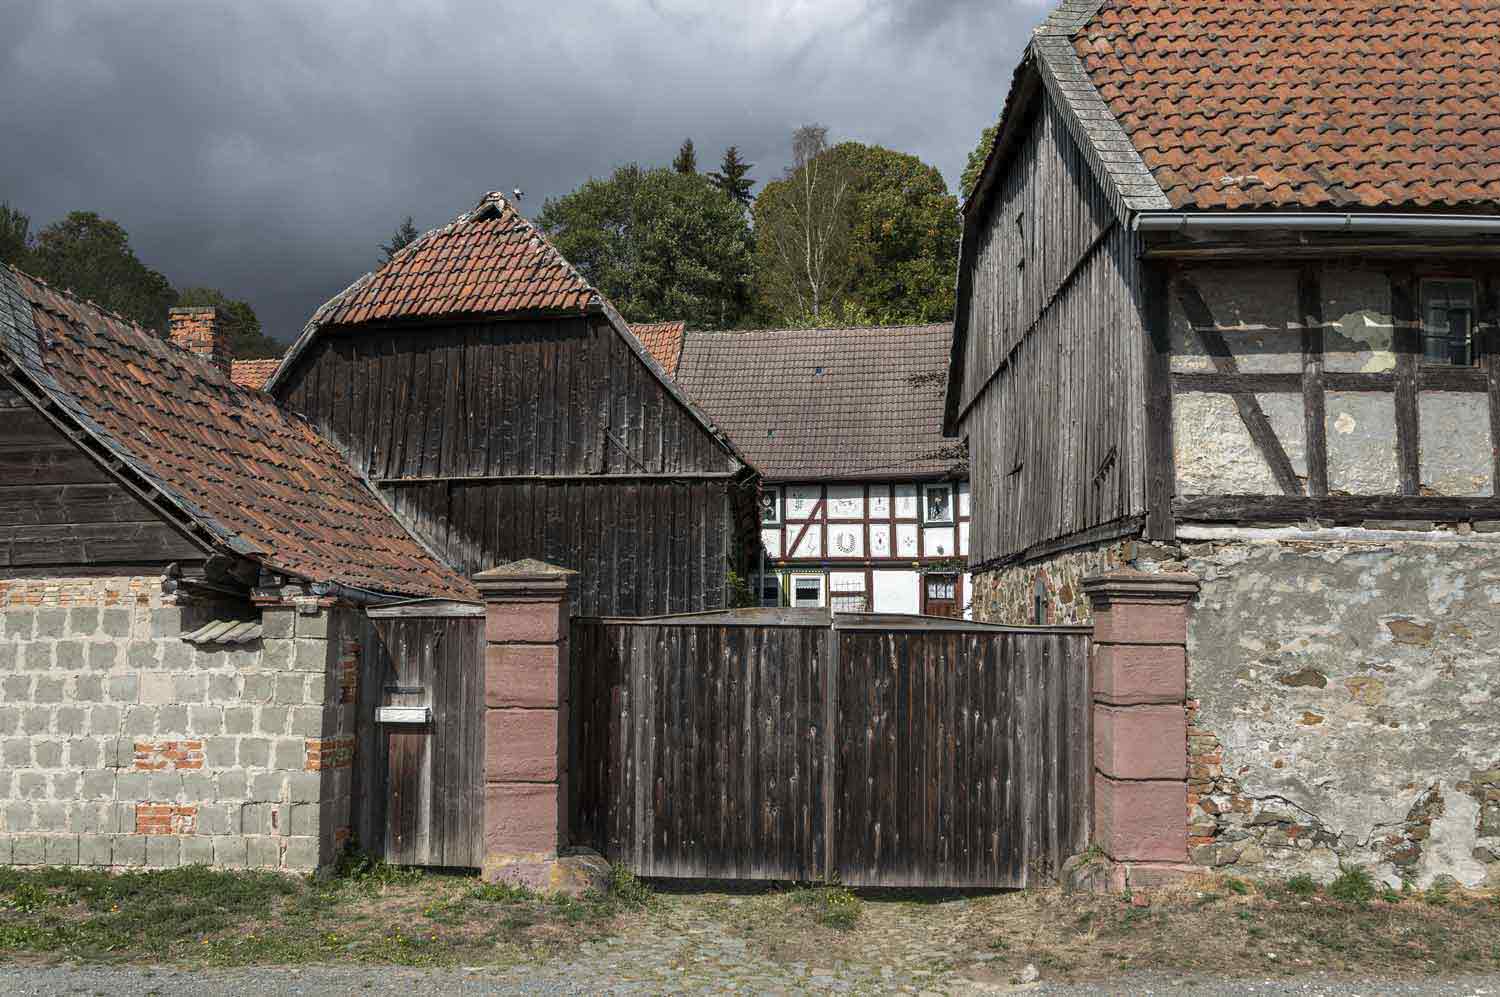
x=1055, y=357
x=497, y=399
x=60, y=509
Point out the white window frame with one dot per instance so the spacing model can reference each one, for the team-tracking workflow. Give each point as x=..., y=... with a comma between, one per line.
x=820, y=580
x=929, y=489
x=774, y=493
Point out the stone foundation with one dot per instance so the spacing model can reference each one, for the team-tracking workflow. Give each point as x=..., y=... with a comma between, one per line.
x=122, y=745
x=1008, y=595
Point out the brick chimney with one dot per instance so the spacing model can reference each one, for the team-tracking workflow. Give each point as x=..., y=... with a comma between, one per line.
x=199, y=331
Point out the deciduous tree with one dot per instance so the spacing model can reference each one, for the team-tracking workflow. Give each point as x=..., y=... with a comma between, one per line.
x=15, y=235
x=92, y=257
x=802, y=231
x=975, y=164
x=247, y=341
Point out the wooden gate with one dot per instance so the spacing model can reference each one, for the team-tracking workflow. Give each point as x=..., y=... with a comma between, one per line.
x=788, y=744
x=419, y=792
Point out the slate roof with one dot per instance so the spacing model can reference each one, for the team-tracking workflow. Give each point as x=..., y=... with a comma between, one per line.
x=827, y=404
x=248, y=477
x=1305, y=104
x=253, y=373
x=663, y=340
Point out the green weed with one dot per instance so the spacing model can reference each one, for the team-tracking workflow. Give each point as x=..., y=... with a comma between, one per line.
x=1353, y=885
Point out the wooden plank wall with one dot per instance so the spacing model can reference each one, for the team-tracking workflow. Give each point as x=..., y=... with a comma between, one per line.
x=497, y=399
x=59, y=509
x=1055, y=360
x=957, y=757
x=640, y=547
x=698, y=750
x=419, y=789
x=964, y=759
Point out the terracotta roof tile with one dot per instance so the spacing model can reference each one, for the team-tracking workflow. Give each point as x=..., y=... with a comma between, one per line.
x=259, y=479
x=1306, y=103
x=253, y=373
x=663, y=340
x=813, y=404
x=488, y=261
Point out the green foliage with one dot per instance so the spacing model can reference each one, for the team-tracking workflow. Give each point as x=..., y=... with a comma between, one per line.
x=660, y=244
x=1302, y=885
x=406, y=233
x=856, y=234
x=732, y=176
x=687, y=158
x=627, y=890
x=1353, y=885
x=359, y=868
x=246, y=340
x=1236, y=886
x=833, y=906
x=737, y=591
x=15, y=235
x=975, y=164
x=91, y=256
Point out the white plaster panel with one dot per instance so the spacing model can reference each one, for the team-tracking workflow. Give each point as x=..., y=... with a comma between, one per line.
x=1361, y=431
x=897, y=592
x=880, y=502
x=811, y=544
x=846, y=540
x=801, y=500
x=771, y=541
x=1288, y=421
x=963, y=539
x=937, y=541
x=846, y=581
x=1358, y=325
x=1254, y=308
x=968, y=596
x=880, y=540
x=1214, y=452
x=906, y=539
x=906, y=501
x=964, y=499
x=846, y=501
x=1456, y=448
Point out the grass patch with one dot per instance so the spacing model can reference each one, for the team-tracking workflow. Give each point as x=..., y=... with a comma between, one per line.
x=1353, y=885
x=1302, y=885
x=831, y=906
x=369, y=912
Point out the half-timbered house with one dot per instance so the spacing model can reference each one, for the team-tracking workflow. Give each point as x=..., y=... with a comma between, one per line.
x=864, y=505
x=505, y=410
x=1228, y=304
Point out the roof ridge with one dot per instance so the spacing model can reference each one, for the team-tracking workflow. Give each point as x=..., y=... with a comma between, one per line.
x=1070, y=17
x=934, y=326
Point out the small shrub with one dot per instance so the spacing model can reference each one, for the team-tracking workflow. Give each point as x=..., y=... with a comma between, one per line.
x=1353, y=885
x=1302, y=885
x=1236, y=886
x=834, y=906
x=627, y=889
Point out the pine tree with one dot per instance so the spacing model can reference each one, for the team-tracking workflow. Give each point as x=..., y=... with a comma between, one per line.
x=687, y=158
x=730, y=176
x=406, y=233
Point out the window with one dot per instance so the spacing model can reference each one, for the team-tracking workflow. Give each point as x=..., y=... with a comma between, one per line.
x=846, y=593
x=770, y=590
x=942, y=586
x=770, y=506
x=807, y=591
x=939, y=505
x=1448, y=308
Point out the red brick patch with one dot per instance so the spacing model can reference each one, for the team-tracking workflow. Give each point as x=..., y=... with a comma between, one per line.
x=348, y=674
x=166, y=818
x=329, y=753
x=156, y=756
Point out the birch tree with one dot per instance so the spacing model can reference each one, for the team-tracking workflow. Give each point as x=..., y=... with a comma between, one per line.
x=802, y=232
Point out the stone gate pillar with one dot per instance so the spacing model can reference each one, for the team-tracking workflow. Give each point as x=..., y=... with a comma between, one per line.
x=1140, y=723
x=527, y=606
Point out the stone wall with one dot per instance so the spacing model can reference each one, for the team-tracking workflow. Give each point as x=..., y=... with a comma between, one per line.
x=123, y=745
x=1008, y=595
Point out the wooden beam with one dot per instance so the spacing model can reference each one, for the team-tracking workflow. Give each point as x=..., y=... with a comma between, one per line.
x=1256, y=423
x=542, y=478
x=1343, y=508
x=1491, y=361
x=1434, y=378
x=1130, y=526
x=1310, y=294
x=1161, y=467
x=1408, y=419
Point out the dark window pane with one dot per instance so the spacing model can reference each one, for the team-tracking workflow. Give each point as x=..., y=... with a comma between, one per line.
x=1448, y=322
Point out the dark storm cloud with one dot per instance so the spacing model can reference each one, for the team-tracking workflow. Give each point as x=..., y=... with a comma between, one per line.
x=268, y=147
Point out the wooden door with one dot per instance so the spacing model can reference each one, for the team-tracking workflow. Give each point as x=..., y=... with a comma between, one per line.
x=422, y=710
x=940, y=596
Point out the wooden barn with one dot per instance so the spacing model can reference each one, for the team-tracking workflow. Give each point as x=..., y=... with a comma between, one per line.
x=505, y=410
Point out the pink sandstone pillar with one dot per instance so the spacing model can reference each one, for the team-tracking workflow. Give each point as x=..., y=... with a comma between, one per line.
x=1140, y=723
x=525, y=719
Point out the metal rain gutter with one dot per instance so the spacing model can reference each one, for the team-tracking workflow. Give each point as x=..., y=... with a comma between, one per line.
x=1228, y=221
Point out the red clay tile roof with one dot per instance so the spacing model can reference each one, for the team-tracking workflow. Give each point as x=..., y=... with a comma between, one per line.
x=663, y=340
x=1306, y=103
x=818, y=404
x=257, y=479
x=487, y=261
x=253, y=373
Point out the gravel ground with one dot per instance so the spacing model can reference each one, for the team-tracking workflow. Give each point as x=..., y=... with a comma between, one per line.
x=319, y=981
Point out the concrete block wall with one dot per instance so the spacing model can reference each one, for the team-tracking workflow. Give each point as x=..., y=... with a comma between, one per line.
x=121, y=745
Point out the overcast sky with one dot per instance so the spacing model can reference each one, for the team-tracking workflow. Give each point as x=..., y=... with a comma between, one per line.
x=268, y=147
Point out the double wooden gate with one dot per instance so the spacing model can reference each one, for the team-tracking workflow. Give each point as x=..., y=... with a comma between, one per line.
x=791, y=745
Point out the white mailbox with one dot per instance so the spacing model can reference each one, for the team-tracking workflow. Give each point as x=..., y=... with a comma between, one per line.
x=403, y=715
